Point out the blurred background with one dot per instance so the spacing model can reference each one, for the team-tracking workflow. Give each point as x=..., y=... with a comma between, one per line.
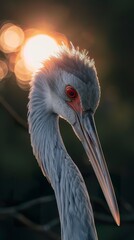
x=105, y=28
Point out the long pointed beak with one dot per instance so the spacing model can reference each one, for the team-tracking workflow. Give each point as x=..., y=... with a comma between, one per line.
x=86, y=131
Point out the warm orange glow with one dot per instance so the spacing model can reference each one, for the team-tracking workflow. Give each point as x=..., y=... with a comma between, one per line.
x=37, y=49
x=26, y=50
x=11, y=38
x=3, y=69
x=21, y=71
x=11, y=61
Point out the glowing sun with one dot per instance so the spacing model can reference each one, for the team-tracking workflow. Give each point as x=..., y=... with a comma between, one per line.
x=37, y=49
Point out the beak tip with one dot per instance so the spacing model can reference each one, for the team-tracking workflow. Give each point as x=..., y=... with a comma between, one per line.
x=117, y=219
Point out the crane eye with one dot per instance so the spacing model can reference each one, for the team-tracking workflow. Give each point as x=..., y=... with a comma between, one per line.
x=71, y=92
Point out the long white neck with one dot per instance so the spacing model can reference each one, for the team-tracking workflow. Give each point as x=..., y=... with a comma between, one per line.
x=75, y=211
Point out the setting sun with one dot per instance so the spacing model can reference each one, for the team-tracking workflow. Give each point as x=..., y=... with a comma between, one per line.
x=37, y=49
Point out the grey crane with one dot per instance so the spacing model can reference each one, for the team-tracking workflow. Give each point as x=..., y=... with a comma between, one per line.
x=67, y=86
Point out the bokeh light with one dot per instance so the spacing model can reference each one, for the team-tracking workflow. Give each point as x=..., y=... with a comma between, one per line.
x=3, y=69
x=21, y=71
x=11, y=38
x=11, y=61
x=26, y=50
x=37, y=49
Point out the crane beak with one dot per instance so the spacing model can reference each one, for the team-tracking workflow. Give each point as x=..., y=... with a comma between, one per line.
x=86, y=131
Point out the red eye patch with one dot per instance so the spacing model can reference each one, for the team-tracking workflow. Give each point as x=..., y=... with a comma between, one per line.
x=75, y=103
x=71, y=92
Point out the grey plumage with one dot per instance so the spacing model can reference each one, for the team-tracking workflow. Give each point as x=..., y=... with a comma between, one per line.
x=48, y=102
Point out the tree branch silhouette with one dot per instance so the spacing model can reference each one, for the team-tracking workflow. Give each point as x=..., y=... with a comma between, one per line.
x=23, y=206
x=45, y=228
x=13, y=211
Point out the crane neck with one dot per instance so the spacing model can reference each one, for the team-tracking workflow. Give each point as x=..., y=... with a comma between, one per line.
x=75, y=211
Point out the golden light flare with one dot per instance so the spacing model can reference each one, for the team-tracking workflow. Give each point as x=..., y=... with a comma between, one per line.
x=3, y=69
x=26, y=50
x=37, y=49
x=11, y=61
x=21, y=71
x=11, y=38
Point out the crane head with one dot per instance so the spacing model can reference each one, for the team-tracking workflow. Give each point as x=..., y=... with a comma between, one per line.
x=72, y=91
